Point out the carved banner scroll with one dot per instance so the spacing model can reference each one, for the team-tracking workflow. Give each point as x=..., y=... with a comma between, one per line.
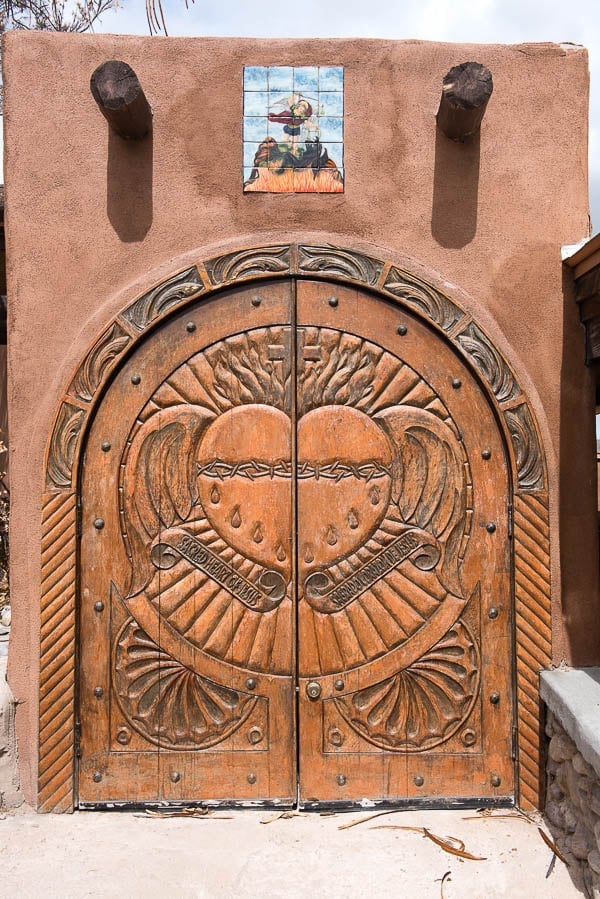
x=265, y=594
x=325, y=595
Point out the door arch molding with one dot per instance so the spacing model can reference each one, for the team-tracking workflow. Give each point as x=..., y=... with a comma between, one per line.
x=119, y=339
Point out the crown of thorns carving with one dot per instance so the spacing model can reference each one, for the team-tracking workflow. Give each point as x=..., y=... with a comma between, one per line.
x=282, y=468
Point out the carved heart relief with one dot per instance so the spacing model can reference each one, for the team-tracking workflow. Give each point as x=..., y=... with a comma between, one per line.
x=341, y=501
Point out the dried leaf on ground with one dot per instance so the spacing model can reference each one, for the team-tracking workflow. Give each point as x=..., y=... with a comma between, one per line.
x=551, y=865
x=397, y=827
x=182, y=813
x=284, y=815
x=370, y=818
x=552, y=845
x=483, y=813
x=445, y=878
x=448, y=847
x=450, y=844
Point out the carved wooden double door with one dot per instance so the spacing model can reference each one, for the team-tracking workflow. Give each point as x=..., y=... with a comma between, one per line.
x=295, y=569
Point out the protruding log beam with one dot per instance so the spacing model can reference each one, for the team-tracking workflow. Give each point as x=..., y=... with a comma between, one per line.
x=466, y=90
x=121, y=100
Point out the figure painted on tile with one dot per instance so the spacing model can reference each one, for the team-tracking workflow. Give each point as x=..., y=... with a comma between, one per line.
x=296, y=119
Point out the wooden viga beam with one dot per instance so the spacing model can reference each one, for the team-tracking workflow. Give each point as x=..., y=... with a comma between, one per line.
x=121, y=100
x=466, y=90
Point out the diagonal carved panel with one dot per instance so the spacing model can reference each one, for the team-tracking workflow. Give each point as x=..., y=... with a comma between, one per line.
x=57, y=642
x=533, y=634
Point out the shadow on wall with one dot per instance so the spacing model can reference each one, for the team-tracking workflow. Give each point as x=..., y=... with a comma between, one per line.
x=129, y=186
x=455, y=190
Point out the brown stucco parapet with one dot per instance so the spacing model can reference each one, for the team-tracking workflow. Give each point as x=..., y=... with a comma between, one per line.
x=491, y=220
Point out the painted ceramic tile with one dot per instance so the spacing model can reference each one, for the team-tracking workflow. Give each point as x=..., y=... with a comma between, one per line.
x=293, y=129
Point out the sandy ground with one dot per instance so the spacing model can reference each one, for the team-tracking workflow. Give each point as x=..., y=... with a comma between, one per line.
x=260, y=855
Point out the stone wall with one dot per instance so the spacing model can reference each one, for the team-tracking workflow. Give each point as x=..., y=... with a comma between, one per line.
x=573, y=806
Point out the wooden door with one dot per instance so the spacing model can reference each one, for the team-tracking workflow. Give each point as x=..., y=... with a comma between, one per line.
x=404, y=612
x=187, y=635
x=294, y=533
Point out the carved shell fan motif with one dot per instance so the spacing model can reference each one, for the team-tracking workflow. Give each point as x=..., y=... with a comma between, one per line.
x=169, y=704
x=423, y=705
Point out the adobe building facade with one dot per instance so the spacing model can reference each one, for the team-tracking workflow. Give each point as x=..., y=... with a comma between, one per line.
x=302, y=435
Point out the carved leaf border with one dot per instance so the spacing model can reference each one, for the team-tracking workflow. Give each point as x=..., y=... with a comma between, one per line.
x=286, y=259
x=63, y=445
x=423, y=298
x=343, y=263
x=98, y=362
x=166, y=296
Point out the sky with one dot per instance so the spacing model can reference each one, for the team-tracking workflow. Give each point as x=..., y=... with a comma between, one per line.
x=486, y=22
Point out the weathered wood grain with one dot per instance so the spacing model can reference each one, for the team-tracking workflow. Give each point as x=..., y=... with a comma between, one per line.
x=116, y=89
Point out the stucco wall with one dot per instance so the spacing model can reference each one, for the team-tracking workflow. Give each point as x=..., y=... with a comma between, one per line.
x=92, y=222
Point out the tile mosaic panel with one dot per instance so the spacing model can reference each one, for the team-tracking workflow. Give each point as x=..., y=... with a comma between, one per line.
x=293, y=129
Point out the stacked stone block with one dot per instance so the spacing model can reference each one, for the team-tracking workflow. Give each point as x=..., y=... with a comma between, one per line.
x=573, y=806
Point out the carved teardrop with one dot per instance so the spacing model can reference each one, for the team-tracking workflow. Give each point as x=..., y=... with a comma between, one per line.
x=257, y=536
x=309, y=555
x=374, y=496
x=280, y=553
x=236, y=518
x=353, y=519
x=332, y=535
x=215, y=496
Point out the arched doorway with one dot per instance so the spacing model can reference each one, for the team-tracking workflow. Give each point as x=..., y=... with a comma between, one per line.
x=295, y=567
x=295, y=556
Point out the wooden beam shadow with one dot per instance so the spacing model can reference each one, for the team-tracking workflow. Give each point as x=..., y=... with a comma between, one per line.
x=455, y=190
x=129, y=176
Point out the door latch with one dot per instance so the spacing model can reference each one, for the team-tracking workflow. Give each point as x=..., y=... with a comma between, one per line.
x=313, y=689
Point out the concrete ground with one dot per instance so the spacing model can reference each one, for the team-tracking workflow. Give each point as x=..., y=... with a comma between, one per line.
x=261, y=855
